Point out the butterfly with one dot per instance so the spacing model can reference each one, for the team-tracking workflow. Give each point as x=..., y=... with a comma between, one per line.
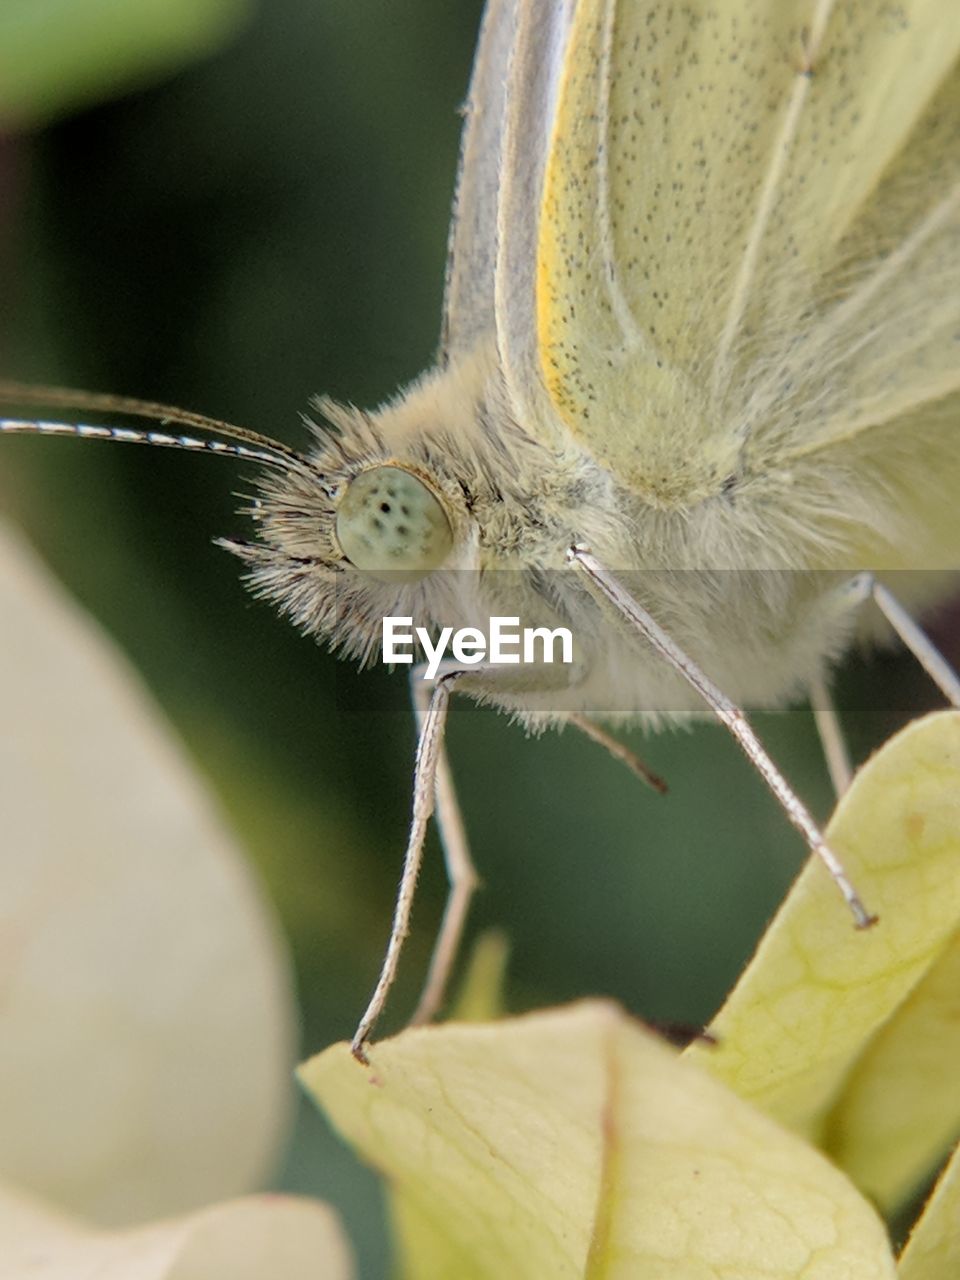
x=696, y=394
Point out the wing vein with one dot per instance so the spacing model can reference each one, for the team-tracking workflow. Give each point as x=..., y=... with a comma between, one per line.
x=877, y=416
x=779, y=158
x=894, y=264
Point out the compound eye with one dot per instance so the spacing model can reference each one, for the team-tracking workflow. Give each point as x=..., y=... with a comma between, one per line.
x=391, y=525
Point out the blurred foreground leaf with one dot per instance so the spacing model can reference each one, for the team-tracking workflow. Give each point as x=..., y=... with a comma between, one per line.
x=147, y=1017
x=280, y=1237
x=72, y=53
x=480, y=998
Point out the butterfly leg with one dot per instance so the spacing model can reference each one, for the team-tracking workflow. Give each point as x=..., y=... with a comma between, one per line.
x=864, y=587
x=606, y=585
x=461, y=873
x=619, y=752
x=860, y=589
x=831, y=735
x=428, y=780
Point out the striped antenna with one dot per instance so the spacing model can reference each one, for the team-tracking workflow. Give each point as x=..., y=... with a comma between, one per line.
x=129, y=435
x=249, y=445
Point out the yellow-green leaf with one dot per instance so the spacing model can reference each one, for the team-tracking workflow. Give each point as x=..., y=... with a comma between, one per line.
x=574, y=1143
x=806, y=1013
x=480, y=998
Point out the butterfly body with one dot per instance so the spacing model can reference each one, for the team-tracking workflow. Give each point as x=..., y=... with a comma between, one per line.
x=741, y=601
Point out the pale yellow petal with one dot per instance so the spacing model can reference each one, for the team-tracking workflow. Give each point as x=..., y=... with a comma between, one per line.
x=900, y=1108
x=146, y=1018
x=933, y=1250
x=817, y=990
x=257, y=1238
x=575, y=1143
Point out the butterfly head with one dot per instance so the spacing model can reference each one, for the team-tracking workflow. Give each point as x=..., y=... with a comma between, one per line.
x=364, y=525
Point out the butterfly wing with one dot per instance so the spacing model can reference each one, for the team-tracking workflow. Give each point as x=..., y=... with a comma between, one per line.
x=468, y=310
x=874, y=385
x=744, y=243
x=493, y=237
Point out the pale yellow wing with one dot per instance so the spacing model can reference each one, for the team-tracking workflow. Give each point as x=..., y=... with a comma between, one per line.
x=747, y=241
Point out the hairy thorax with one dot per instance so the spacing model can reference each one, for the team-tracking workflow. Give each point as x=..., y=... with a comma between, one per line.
x=757, y=613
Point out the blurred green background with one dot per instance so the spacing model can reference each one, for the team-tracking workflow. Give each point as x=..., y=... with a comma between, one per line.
x=268, y=223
